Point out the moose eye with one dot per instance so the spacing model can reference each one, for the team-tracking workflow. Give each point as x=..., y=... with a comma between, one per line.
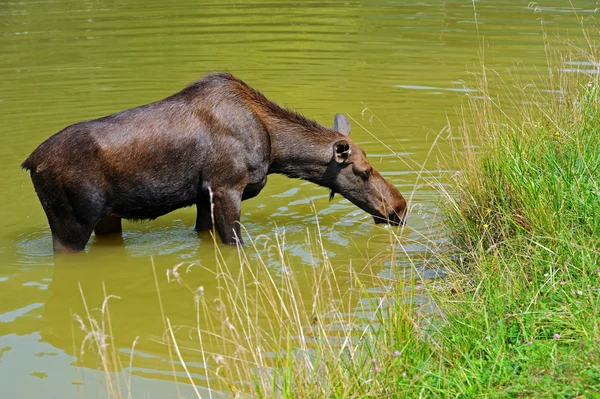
x=366, y=174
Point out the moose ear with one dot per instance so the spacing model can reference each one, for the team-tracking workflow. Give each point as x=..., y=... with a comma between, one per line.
x=341, y=151
x=341, y=124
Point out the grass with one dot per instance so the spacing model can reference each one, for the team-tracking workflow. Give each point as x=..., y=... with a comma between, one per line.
x=291, y=345
x=262, y=337
x=524, y=218
x=517, y=313
x=525, y=215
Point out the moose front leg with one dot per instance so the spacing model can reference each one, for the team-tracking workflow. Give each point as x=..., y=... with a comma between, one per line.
x=227, y=210
x=203, y=217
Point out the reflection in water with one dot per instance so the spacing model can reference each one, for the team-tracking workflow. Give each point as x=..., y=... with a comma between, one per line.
x=396, y=68
x=138, y=317
x=34, y=248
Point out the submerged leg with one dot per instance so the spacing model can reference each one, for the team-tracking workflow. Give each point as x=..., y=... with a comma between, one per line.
x=228, y=204
x=68, y=234
x=203, y=217
x=108, y=225
x=72, y=212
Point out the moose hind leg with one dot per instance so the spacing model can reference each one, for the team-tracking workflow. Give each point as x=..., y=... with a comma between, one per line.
x=68, y=233
x=71, y=215
x=108, y=225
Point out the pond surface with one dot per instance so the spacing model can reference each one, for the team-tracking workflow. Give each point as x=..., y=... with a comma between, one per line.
x=398, y=68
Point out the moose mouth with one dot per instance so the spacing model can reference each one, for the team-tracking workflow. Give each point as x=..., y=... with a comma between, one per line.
x=392, y=219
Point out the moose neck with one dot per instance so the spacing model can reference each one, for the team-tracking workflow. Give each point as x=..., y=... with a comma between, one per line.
x=300, y=148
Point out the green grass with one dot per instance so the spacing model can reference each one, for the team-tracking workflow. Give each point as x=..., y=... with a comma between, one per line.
x=525, y=215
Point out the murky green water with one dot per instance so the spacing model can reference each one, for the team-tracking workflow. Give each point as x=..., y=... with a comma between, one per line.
x=67, y=61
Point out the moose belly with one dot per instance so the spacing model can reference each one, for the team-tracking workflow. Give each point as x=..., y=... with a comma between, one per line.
x=151, y=201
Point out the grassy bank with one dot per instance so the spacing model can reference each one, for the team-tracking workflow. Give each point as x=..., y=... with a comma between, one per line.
x=522, y=312
x=517, y=313
x=526, y=215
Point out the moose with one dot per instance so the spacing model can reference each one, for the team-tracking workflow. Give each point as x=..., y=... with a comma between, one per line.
x=211, y=145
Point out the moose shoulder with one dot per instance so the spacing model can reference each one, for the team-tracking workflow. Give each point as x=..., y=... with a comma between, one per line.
x=213, y=145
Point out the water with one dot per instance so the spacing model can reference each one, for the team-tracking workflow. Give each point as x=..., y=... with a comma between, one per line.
x=397, y=67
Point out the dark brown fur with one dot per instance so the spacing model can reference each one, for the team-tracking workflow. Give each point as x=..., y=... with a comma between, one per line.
x=216, y=139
